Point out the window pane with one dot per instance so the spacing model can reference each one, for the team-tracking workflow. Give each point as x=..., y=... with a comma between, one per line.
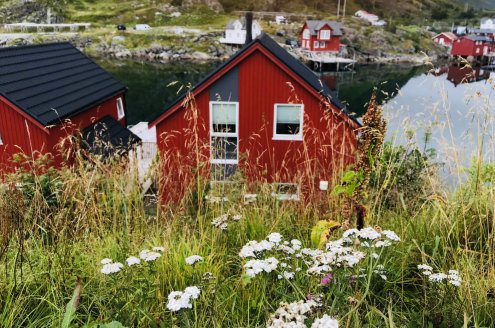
x=221, y=172
x=224, y=118
x=224, y=148
x=288, y=119
x=286, y=189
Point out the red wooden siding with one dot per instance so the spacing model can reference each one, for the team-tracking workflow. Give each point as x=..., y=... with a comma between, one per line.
x=333, y=44
x=466, y=47
x=14, y=129
x=329, y=136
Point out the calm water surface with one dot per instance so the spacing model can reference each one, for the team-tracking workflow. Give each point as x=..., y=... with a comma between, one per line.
x=450, y=108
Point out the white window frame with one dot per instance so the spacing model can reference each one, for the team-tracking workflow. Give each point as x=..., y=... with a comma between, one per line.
x=120, y=108
x=295, y=137
x=224, y=134
x=306, y=34
x=316, y=44
x=326, y=35
x=292, y=197
x=1, y=140
x=323, y=44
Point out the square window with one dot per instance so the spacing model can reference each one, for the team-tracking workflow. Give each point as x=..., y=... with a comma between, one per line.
x=325, y=35
x=223, y=117
x=288, y=121
x=120, y=108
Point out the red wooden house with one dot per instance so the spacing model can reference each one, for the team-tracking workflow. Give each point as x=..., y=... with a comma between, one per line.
x=321, y=35
x=466, y=74
x=445, y=39
x=264, y=112
x=49, y=92
x=475, y=46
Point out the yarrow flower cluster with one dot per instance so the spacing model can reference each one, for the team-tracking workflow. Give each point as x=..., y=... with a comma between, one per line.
x=325, y=322
x=254, y=267
x=292, y=314
x=191, y=260
x=178, y=300
x=452, y=276
x=109, y=267
x=222, y=222
x=148, y=256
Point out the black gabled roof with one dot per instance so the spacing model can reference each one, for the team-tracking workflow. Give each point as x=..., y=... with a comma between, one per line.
x=53, y=81
x=290, y=61
x=108, y=137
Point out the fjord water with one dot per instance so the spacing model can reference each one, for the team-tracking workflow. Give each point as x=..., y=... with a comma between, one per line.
x=449, y=109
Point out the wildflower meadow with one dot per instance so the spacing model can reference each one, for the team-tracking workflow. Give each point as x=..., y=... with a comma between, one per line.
x=85, y=246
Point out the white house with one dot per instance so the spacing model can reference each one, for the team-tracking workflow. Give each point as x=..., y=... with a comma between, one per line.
x=487, y=23
x=363, y=14
x=235, y=31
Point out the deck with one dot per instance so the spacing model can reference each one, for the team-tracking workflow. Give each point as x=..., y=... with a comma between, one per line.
x=24, y=27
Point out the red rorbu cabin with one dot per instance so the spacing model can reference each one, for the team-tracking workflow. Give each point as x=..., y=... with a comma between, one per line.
x=445, y=39
x=263, y=112
x=49, y=92
x=475, y=46
x=321, y=35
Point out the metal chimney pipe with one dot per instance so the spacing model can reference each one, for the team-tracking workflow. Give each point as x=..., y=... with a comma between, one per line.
x=249, y=27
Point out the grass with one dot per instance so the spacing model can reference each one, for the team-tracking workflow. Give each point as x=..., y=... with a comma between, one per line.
x=59, y=224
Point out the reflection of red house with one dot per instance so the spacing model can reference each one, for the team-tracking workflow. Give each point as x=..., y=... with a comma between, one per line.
x=445, y=39
x=262, y=111
x=321, y=35
x=475, y=46
x=48, y=92
x=466, y=74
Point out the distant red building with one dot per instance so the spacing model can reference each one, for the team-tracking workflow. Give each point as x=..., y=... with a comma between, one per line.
x=263, y=112
x=445, y=39
x=49, y=92
x=475, y=46
x=321, y=35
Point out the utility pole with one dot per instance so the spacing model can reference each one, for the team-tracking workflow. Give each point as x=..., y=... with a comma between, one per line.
x=345, y=5
x=338, y=9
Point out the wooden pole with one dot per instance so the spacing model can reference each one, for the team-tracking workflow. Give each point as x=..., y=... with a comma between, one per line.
x=338, y=9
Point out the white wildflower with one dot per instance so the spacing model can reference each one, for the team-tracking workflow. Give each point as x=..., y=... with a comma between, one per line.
x=292, y=314
x=148, y=255
x=132, y=260
x=437, y=277
x=325, y=322
x=221, y=222
x=391, y=235
x=110, y=268
x=193, y=259
x=369, y=233
x=254, y=267
x=296, y=244
x=274, y=237
x=106, y=261
x=350, y=232
x=253, y=247
x=288, y=275
x=425, y=267
x=178, y=300
x=159, y=249
x=237, y=217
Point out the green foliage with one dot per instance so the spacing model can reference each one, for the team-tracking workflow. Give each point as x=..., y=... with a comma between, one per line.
x=349, y=183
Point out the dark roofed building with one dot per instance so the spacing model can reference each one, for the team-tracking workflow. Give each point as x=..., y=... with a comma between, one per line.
x=263, y=111
x=47, y=93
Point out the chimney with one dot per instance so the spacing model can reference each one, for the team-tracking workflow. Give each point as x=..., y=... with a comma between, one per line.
x=249, y=27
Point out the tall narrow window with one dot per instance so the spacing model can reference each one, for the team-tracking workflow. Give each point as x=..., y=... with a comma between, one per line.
x=316, y=44
x=288, y=121
x=120, y=108
x=1, y=140
x=223, y=139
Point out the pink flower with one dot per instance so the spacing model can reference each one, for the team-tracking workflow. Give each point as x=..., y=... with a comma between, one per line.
x=327, y=279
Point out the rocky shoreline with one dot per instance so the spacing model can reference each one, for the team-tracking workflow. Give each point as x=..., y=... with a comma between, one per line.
x=215, y=51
